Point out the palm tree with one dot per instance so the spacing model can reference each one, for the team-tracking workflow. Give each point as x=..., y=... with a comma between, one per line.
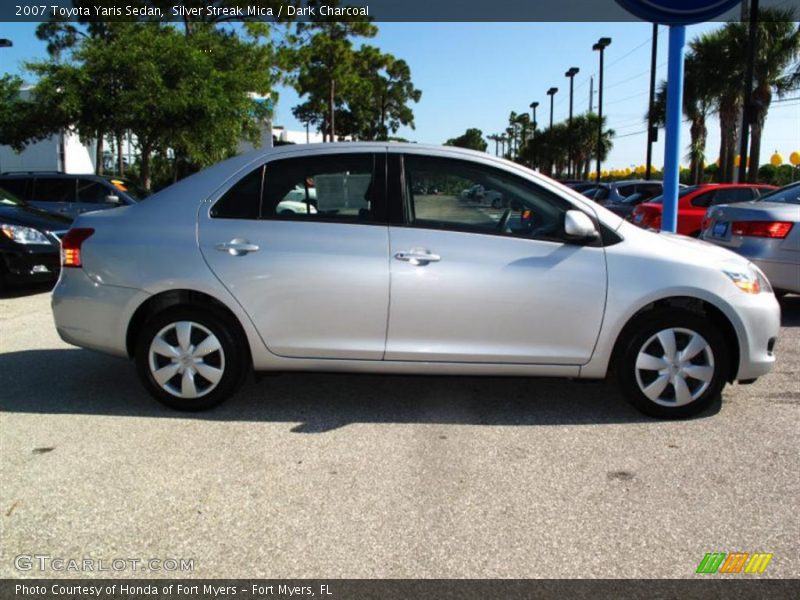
x=778, y=49
x=697, y=104
x=721, y=57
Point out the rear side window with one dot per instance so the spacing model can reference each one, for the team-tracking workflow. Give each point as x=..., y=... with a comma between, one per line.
x=54, y=190
x=733, y=195
x=20, y=187
x=703, y=200
x=626, y=190
x=243, y=200
x=338, y=187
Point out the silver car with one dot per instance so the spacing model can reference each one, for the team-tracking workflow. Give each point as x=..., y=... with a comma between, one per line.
x=765, y=231
x=392, y=273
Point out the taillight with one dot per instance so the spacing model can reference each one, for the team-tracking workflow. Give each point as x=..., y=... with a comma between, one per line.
x=765, y=229
x=71, y=246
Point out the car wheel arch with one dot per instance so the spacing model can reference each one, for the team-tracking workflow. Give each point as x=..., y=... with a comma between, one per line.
x=170, y=299
x=689, y=304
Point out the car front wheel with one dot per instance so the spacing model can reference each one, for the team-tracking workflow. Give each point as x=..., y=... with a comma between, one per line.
x=674, y=365
x=189, y=359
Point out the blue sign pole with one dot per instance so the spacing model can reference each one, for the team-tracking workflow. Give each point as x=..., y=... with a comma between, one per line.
x=677, y=14
x=672, y=146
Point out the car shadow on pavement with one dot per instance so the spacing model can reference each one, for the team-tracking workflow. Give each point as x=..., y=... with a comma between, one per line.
x=73, y=381
x=790, y=310
x=28, y=290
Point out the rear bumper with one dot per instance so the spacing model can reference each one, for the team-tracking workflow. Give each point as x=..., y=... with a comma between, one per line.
x=91, y=315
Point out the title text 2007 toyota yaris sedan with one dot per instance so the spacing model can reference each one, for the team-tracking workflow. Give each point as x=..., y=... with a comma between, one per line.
x=370, y=258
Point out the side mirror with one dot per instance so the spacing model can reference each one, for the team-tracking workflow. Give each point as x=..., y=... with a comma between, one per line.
x=112, y=199
x=578, y=226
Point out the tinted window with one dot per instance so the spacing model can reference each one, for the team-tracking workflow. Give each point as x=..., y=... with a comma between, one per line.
x=243, y=200
x=733, y=195
x=601, y=194
x=335, y=187
x=435, y=191
x=790, y=194
x=625, y=190
x=703, y=200
x=92, y=192
x=19, y=187
x=54, y=190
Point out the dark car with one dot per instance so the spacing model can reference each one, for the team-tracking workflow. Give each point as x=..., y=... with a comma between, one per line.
x=29, y=242
x=626, y=206
x=67, y=194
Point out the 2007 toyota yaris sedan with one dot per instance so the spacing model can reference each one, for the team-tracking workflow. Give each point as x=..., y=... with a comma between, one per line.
x=382, y=265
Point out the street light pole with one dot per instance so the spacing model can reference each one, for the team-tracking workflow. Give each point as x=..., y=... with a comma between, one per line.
x=652, y=132
x=552, y=92
x=601, y=45
x=571, y=74
x=534, y=124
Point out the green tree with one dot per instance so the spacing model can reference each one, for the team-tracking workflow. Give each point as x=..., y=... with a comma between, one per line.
x=321, y=52
x=379, y=99
x=698, y=101
x=472, y=139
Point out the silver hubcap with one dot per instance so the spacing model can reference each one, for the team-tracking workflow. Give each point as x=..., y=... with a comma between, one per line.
x=674, y=367
x=186, y=359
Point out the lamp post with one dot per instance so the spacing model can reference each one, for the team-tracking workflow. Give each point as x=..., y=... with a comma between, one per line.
x=571, y=74
x=534, y=124
x=652, y=131
x=600, y=46
x=552, y=93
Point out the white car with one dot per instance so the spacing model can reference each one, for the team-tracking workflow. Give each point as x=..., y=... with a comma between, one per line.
x=211, y=278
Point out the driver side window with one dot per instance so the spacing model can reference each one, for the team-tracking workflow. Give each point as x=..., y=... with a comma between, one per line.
x=462, y=196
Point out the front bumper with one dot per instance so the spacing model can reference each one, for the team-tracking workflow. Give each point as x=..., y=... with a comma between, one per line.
x=757, y=324
x=91, y=315
x=18, y=267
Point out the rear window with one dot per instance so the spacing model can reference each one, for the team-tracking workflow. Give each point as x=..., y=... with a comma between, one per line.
x=789, y=194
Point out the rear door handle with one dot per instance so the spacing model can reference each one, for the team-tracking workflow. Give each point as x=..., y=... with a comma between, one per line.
x=237, y=247
x=418, y=258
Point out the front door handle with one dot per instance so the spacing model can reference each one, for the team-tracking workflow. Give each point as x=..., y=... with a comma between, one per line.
x=237, y=247
x=418, y=258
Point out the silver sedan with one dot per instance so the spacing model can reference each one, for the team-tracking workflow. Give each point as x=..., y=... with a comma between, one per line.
x=765, y=231
x=388, y=270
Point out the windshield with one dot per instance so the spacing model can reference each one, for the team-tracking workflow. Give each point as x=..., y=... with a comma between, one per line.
x=789, y=194
x=9, y=199
x=681, y=193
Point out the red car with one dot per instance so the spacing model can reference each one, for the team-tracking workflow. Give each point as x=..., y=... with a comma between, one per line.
x=693, y=203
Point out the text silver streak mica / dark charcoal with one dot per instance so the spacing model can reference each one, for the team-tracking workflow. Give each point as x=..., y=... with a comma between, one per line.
x=384, y=265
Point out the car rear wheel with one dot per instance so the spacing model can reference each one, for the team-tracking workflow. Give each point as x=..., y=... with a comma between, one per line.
x=189, y=359
x=674, y=365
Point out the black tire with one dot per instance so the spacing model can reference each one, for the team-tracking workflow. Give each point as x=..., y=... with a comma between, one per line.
x=640, y=339
x=230, y=359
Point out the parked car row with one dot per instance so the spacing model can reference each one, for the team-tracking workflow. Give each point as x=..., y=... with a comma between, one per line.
x=36, y=210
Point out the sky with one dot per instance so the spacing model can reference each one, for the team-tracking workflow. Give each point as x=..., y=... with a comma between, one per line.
x=475, y=74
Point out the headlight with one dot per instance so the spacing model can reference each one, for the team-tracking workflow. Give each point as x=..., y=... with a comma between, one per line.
x=24, y=235
x=747, y=277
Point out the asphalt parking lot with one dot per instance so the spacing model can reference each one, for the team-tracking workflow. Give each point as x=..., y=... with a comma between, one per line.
x=316, y=475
